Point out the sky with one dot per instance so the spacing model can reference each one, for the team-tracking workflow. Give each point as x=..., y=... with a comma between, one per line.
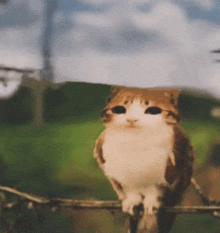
x=141, y=43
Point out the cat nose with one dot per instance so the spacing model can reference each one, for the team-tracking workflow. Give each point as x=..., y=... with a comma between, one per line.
x=132, y=120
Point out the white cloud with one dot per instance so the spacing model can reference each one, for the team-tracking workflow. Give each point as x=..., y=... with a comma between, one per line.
x=96, y=2
x=124, y=45
x=171, y=21
x=13, y=81
x=19, y=48
x=36, y=6
x=6, y=92
x=205, y=4
x=122, y=70
x=177, y=55
x=93, y=19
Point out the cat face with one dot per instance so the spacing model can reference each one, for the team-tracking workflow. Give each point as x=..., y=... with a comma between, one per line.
x=138, y=108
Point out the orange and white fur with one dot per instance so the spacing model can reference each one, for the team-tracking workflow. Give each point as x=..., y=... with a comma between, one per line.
x=144, y=154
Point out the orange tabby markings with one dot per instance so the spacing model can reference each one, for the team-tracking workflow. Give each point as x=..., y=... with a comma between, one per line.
x=143, y=152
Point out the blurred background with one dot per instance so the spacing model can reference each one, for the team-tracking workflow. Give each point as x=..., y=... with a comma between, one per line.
x=58, y=59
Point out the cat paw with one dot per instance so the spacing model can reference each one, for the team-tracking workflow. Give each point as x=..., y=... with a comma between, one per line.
x=130, y=202
x=151, y=205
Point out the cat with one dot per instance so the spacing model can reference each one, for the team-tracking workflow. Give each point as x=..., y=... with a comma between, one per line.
x=144, y=154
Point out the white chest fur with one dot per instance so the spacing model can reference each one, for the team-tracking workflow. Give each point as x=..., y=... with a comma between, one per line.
x=137, y=158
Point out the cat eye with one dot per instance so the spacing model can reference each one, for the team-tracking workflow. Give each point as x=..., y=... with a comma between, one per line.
x=153, y=110
x=119, y=109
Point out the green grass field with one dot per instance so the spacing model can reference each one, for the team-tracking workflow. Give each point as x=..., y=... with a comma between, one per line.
x=57, y=160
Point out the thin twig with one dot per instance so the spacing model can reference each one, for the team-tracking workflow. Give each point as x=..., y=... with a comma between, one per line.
x=5, y=68
x=30, y=197
x=207, y=200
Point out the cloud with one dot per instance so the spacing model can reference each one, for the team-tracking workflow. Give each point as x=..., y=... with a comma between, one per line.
x=20, y=47
x=21, y=26
x=205, y=4
x=11, y=86
x=19, y=14
x=135, y=43
x=127, y=46
x=97, y=2
x=36, y=6
x=20, y=44
x=169, y=20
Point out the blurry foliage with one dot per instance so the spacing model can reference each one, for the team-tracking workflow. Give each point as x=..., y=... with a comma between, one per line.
x=202, y=135
x=77, y=100
x=72, y=100
x=17, y=109
x=197, y=107
x=23, y=220
x=195, y=223
x=215, y=154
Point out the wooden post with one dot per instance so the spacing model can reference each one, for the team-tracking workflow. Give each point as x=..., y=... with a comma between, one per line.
x=37, y=89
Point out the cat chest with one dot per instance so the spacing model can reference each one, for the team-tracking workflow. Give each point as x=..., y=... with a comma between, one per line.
x=136, y=158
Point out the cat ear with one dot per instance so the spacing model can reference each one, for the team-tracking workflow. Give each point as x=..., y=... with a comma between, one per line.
x=173, y=95
x=172, y=116
x=115, y=90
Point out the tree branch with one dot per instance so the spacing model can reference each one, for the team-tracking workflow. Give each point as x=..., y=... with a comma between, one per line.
x=56, y=203
x=5, y=68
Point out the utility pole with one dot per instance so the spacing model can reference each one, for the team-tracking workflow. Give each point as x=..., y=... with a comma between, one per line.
x=47, y=71
x=46, y=74
x=4, y=1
